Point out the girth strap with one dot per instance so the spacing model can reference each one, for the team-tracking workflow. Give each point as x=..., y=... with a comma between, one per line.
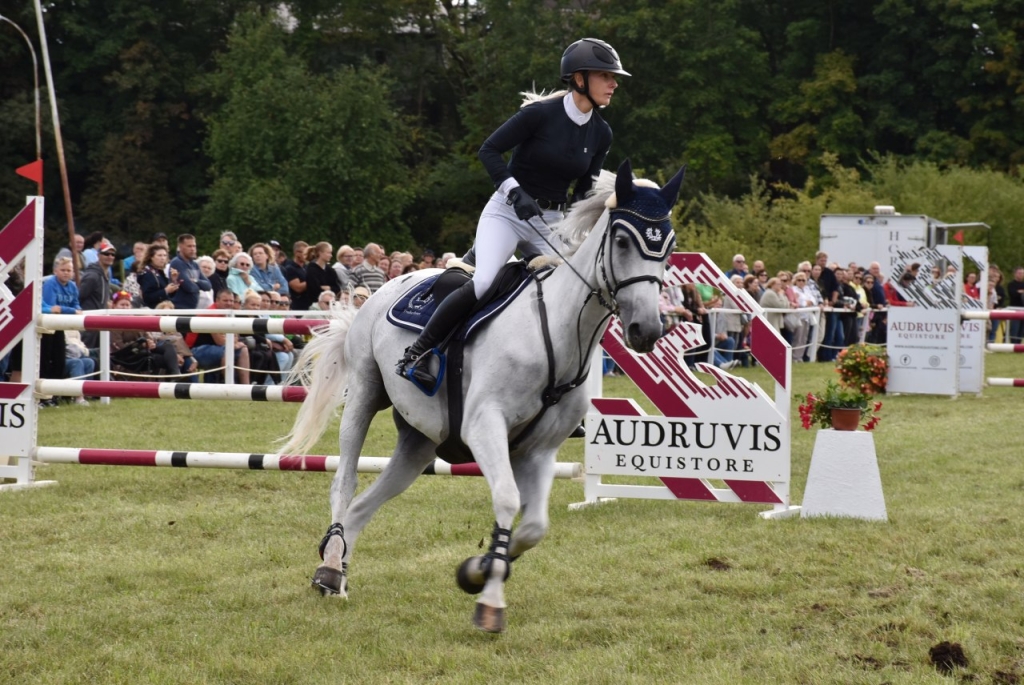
x=552, y=394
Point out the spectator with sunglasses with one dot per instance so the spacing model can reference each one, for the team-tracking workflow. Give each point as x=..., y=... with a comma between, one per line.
x=229, y=243
x=239, y=279
x=219, y=278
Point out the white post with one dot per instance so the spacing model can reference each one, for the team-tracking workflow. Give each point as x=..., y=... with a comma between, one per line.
x=18, y=433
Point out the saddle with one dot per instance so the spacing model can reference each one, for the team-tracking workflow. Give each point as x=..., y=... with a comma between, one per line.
x=414, y=308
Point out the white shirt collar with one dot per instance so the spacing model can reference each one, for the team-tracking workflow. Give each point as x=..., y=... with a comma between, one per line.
x=579, y=118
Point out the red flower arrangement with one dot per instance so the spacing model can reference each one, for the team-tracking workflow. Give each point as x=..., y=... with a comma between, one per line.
x=864, y=367
x=817, y=409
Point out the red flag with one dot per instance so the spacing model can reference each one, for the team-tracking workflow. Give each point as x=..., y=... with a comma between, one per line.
x=959, y=236
x=32, y=171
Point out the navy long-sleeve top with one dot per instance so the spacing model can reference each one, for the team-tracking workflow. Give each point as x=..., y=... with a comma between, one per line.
x=549, y=150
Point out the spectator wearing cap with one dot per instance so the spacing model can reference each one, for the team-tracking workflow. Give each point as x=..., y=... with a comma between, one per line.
x=739, y=267
x=359, y=296
x=427, y=260
x=94, y=286
x=190, y=276
x=265, y=270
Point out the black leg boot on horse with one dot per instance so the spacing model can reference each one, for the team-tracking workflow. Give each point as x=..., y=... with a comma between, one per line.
x=415, y=365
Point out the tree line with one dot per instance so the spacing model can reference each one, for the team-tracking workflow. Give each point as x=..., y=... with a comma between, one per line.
x=360, y=120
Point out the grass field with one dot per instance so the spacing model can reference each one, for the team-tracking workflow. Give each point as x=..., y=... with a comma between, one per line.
x=136, y=575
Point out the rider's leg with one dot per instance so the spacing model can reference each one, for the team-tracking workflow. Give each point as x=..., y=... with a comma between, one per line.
x=444, y=319
x=495, y=243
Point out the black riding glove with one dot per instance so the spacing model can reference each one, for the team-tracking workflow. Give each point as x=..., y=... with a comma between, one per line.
x=526, y=207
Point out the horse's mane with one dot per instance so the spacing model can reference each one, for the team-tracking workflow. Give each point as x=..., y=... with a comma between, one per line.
x=583, y=215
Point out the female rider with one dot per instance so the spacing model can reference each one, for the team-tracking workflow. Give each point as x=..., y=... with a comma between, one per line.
x=555, y=140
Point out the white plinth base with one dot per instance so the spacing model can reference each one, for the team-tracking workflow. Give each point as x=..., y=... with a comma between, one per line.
x=843, y=479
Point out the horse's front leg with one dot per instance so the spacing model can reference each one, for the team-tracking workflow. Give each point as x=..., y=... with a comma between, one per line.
x=494, y=568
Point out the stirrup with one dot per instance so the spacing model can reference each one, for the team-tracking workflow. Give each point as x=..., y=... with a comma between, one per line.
x=417, y=371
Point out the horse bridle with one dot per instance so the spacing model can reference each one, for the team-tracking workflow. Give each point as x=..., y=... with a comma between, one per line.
x=606, y=282
x=611, y=304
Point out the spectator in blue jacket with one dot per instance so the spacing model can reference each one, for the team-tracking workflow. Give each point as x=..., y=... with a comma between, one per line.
x=60, y=296
x=265, y=269
x=190, y=278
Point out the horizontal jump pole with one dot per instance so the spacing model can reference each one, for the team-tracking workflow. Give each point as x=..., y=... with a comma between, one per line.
x=1004, y=347
x=179, y=324
x=1006, y=382
x=994, y=314
x=254, y=462
x=172, y=391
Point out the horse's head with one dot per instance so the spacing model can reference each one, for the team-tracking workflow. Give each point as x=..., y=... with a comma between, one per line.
x=638, y=241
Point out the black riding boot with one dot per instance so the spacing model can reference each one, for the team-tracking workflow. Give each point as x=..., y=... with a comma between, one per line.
x=415, y=365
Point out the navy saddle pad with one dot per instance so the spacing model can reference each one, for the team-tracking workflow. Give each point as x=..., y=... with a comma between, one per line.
x=413, y=309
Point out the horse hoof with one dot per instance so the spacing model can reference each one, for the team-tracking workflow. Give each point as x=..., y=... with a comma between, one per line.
x=489, y=619
x=330, y=582
x=470, y=577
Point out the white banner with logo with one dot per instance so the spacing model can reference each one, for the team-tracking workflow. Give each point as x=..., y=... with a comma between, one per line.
x=924, y=350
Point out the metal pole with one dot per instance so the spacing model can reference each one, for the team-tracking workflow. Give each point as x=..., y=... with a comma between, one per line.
x=35, y=77
x=60, y=142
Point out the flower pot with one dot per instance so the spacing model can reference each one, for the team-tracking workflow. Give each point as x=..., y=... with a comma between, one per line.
x=845, y=419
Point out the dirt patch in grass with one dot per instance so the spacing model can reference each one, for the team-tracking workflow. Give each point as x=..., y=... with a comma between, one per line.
x=946, y=656
x=716, y=564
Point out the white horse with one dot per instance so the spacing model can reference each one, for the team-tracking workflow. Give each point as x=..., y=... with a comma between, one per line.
x=521, y=378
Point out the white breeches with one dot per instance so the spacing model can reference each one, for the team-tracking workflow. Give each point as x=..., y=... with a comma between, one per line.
x=499, y=231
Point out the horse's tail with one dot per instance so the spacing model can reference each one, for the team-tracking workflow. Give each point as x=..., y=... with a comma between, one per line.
x=323, y=370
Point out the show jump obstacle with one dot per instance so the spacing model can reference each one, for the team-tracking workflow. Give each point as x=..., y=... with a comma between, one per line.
x=729, y=433
x=19, y=320
x=727, y=441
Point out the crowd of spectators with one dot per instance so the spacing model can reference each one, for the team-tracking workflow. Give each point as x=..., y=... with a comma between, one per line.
x=264, y=280
x=831, y=305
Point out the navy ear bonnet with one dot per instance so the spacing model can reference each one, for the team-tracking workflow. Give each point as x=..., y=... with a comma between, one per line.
x=644, y=217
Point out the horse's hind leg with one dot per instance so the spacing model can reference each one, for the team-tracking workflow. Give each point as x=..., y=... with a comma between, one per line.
x=363, y=404
x=412, y=454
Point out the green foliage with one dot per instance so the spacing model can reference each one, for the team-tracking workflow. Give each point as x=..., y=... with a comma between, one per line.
x=767, y=98
x=779, y=224
x=302, y=156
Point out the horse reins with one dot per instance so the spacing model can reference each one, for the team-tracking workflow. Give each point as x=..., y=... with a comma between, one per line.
x=553, y=393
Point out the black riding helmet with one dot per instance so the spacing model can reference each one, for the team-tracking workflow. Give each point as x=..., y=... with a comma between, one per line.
x=589, y=54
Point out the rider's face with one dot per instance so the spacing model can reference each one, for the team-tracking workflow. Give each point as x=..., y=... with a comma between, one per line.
x=602, y=87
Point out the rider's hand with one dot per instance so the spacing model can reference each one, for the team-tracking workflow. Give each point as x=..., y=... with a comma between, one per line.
x=526, y=207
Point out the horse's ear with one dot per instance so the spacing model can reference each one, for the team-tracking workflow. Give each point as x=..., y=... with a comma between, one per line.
x=624, y=182
x=670, y=193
